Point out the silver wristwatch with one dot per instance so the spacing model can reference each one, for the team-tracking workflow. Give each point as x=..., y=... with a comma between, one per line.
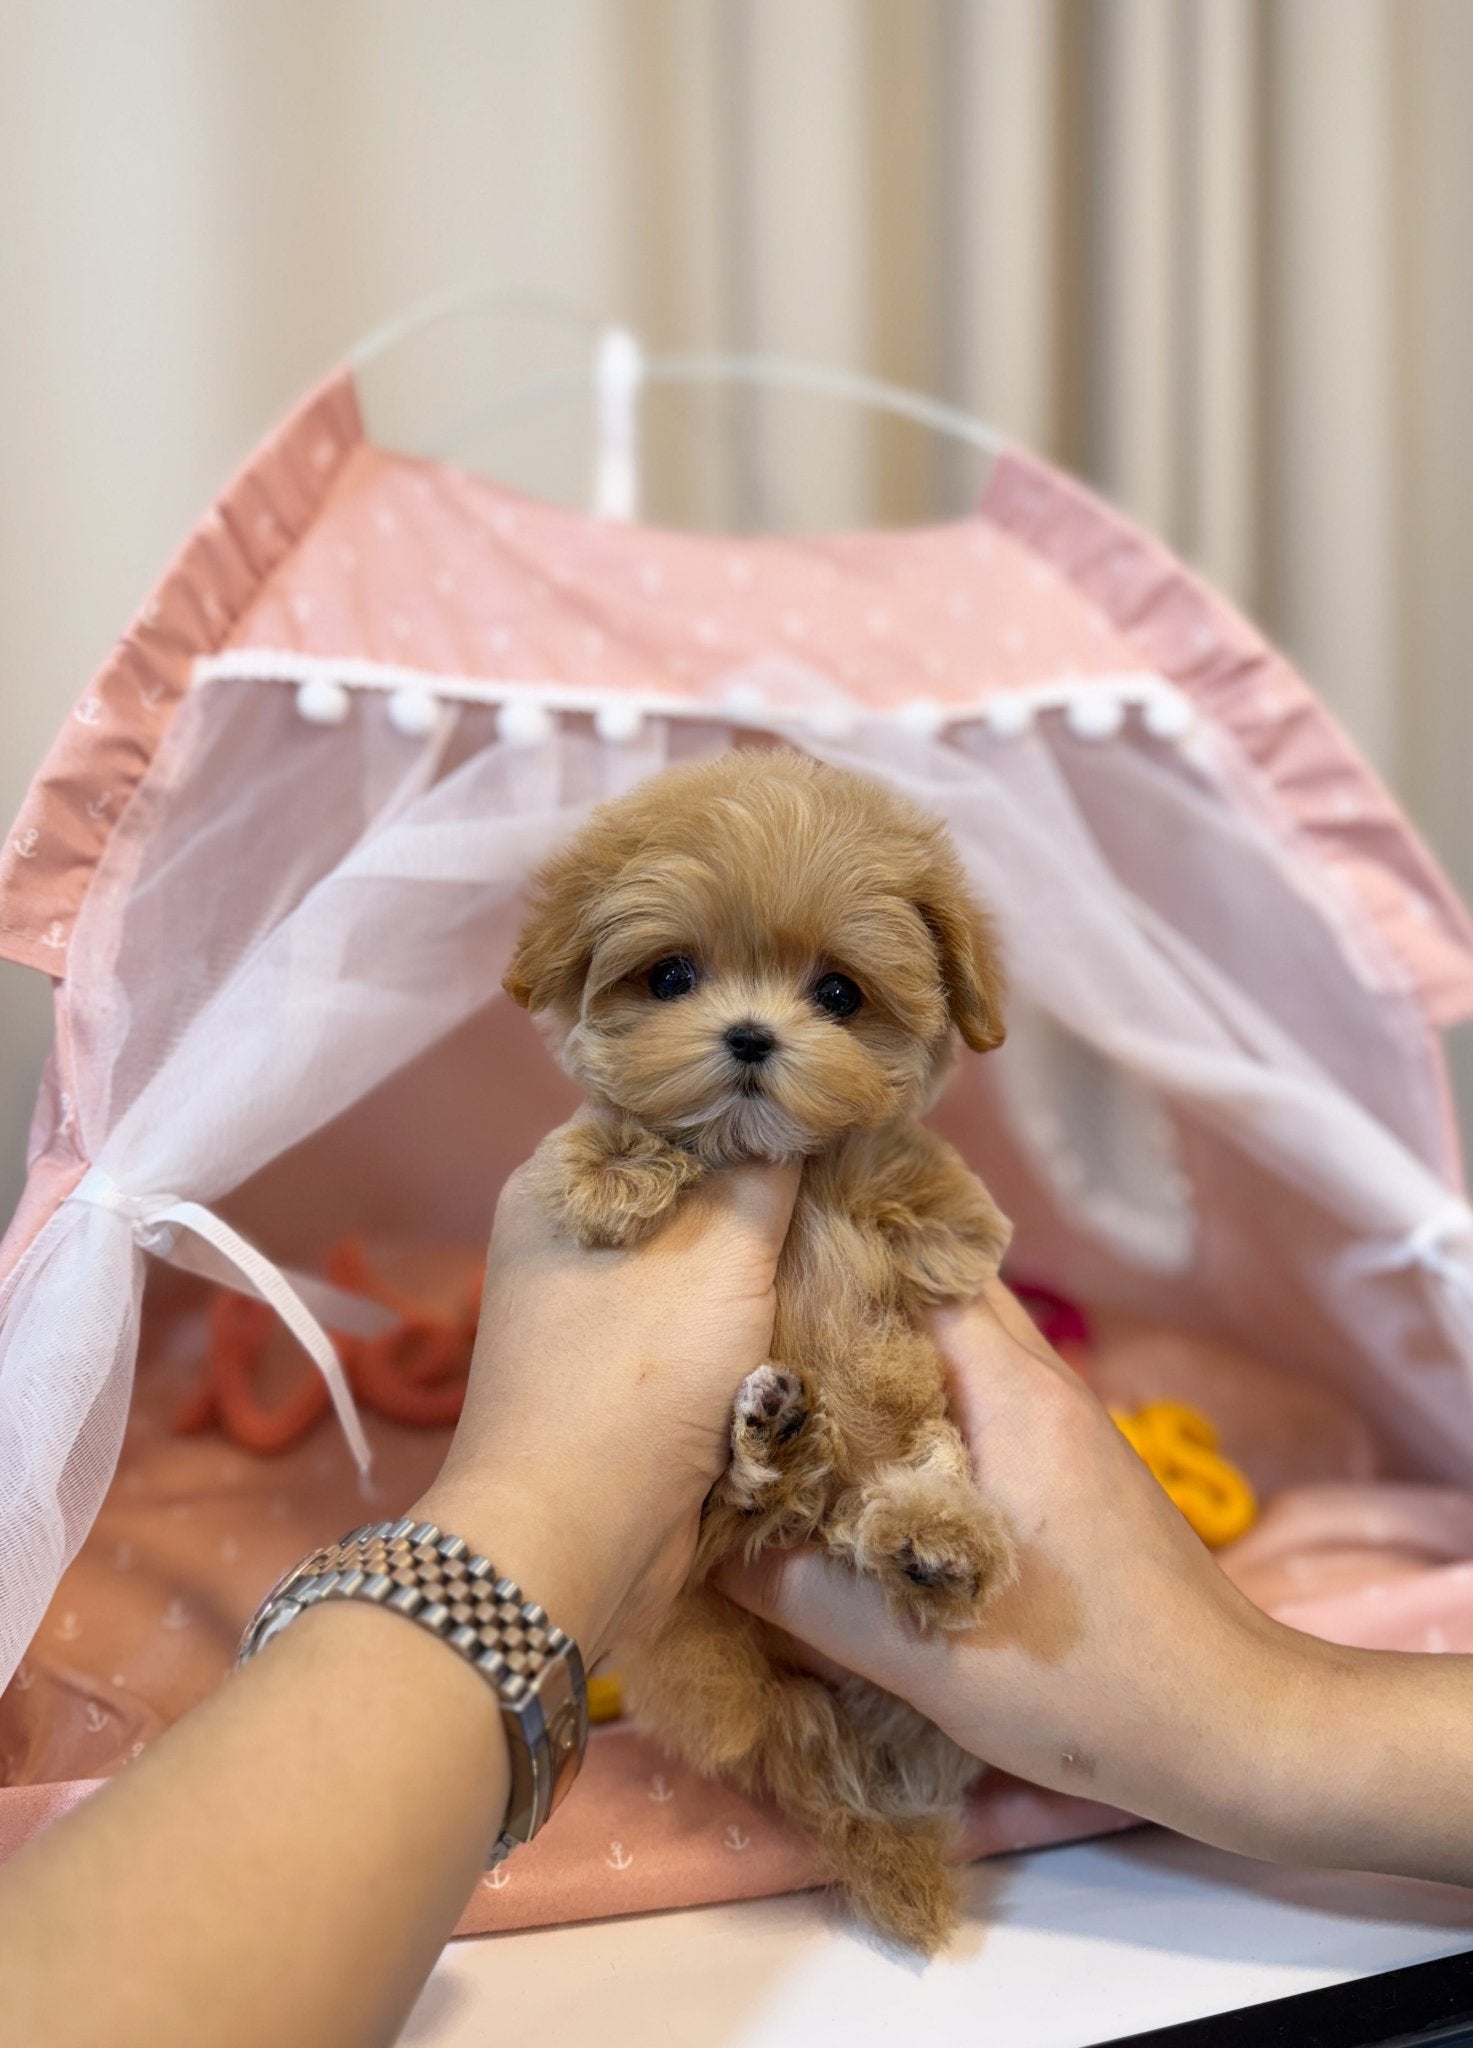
x=534, y=1669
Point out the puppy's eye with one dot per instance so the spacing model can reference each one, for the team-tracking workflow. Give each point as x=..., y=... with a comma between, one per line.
x=837, y=994
x=673, y=977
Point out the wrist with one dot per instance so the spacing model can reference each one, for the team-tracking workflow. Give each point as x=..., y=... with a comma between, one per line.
x=527, y=1538
x=1333, y=1792
x=1251, y=1782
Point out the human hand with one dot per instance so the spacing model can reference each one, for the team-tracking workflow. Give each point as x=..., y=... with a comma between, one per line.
x=599, y=1405
x=1122, y=1664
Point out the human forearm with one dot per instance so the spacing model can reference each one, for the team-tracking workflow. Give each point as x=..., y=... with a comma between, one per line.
x=1305, y=1752
x=1373, y=1768
x=284, y=1865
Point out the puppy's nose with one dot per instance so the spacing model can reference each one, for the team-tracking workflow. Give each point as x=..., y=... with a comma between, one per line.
x=750, y=1043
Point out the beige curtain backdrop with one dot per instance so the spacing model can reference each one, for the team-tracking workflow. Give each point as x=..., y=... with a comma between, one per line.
x=1216, y=255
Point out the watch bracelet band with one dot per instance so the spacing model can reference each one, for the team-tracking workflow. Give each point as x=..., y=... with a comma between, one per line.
x=536, y=1671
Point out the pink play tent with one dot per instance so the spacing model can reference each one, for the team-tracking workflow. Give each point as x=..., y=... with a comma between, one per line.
x=273, y=867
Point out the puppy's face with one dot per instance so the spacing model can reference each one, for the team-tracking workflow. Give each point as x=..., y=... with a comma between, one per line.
x=754, y=955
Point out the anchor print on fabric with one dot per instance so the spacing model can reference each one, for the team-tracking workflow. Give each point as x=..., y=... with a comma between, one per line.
x=660, y=1790
x=618, y=1857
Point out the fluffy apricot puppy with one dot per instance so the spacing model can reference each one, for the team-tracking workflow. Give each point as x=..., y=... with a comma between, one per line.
x=762, y=956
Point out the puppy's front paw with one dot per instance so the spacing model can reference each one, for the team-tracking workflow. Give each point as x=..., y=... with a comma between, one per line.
x=770, y=1409
x=938, y=1549
x=949, y=1256
x=611, y=1183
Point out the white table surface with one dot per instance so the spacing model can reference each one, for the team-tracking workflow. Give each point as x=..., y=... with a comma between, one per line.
x=1059, y=1948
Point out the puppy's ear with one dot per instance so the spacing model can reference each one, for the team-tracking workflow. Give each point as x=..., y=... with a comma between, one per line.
x=551, y=957
x=971, y=970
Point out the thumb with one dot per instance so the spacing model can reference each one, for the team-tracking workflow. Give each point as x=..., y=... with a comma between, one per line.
x=829, y=1611
x=757, y=1198
x=994, y=1356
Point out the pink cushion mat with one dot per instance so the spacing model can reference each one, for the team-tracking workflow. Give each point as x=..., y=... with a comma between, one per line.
x=193, y=1530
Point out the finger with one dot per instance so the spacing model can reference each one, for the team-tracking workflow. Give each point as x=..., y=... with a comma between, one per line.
x=757, y=1197
x=995, y=1317
x=994, y=1360
x=828, y=1609
x=1016, y=1320
x=515, y=1199
x=521, y=1205
x=522, y=1218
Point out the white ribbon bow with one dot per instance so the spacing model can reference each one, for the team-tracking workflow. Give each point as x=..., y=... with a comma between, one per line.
x=156, y=1221
x=1428, y=1246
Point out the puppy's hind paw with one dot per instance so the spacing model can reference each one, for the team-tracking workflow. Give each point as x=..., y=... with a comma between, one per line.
x=771, y=1403
x=771, y=1408
x=937, y=1548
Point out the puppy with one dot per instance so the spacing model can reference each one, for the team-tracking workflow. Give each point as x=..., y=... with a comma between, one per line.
x=764, y=957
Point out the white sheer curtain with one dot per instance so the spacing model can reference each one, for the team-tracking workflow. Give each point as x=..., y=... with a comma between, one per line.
x=234, y=989
x=1213, y=253
x=376, y=915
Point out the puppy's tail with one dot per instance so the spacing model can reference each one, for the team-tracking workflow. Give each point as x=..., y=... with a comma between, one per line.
x=890, y=1867
x=869, y=1781
x=894, y=1873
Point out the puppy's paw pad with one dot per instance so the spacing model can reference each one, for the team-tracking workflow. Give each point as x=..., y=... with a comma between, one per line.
x=935, y=1572
x=771, y=1403
x=770, y=1409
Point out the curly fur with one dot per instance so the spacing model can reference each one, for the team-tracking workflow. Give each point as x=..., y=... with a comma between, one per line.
x=769, y=871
